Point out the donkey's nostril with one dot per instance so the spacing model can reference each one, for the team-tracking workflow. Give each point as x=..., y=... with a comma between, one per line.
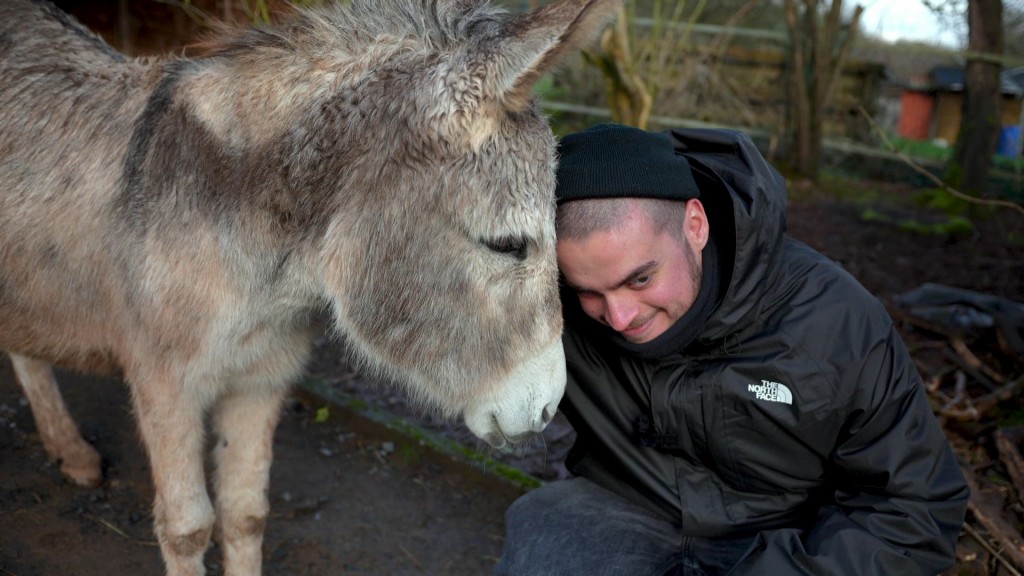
x=544, y=418
x=496, y=440
x=548, y=414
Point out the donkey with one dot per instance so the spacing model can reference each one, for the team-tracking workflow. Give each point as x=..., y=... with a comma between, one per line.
x=181, y=220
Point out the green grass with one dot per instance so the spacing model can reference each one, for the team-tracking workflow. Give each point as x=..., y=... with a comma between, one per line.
x=922, y=149
x=420, y=436
x=943, y=214
x=930, y=151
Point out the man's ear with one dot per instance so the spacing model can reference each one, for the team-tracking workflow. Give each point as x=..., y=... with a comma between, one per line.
x=695, y=224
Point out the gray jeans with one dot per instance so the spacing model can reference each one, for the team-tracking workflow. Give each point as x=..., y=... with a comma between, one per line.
x=575, y=527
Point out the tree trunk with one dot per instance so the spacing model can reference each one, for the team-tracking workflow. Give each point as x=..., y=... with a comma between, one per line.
x=124, y=27
x=818, y=52
x=627, y=93
x=800, y=109
x=982, y=106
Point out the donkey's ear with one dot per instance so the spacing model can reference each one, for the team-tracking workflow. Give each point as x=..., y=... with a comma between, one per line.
x=531, y=44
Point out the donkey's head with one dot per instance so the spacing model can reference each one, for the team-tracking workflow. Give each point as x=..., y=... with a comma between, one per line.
x=450, y=208
x=433, y=177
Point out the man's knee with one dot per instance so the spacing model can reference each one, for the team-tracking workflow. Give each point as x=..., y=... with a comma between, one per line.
x=576, y=527
x=534, y=524
x=527, y=509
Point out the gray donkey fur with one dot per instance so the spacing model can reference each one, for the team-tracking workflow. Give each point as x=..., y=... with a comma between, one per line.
x=181, y=220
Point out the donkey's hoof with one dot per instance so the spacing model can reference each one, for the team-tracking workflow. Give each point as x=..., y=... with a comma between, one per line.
x=84, y=469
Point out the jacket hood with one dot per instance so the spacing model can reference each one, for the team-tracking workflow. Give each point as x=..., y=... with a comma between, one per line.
x=745, y=199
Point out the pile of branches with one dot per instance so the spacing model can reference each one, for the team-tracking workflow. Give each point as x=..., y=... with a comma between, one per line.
x=969, y=348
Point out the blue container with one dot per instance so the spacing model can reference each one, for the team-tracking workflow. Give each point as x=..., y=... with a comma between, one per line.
x=1009, y=141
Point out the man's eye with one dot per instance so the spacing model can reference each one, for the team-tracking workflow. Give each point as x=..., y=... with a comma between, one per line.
x=640, y=281
x=510, y=245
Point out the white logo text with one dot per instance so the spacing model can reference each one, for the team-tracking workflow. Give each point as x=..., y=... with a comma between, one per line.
x=771, y=391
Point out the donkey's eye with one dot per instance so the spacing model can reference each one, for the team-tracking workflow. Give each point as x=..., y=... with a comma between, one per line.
x=511, y=245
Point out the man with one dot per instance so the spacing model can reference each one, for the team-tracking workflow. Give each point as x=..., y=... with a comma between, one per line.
x=742, y=404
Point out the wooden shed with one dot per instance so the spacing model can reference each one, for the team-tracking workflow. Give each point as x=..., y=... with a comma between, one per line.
x=932, y=109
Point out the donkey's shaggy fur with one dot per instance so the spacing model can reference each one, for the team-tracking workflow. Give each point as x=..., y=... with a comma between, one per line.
x=181, y=219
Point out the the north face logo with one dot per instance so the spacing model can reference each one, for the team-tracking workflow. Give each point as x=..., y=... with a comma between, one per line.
x=771, y=391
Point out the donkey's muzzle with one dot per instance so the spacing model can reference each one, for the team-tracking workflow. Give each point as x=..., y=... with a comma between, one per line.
x=524, y=403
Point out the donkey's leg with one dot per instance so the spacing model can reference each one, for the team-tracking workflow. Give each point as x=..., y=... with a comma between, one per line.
x=79, y=461
x=171, y=422
x=244, y=423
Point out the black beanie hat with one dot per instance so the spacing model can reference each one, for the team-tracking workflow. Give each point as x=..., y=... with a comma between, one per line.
x=616, y=161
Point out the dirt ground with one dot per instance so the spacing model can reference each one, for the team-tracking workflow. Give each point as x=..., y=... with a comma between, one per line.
x=351, y=496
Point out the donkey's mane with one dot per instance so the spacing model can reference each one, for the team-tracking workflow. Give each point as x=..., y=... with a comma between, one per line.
x=339, y=28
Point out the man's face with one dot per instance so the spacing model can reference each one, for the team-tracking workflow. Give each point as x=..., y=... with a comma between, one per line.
x=634, y=279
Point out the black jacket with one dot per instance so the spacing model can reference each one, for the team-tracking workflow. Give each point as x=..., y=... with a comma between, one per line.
x=797, y=414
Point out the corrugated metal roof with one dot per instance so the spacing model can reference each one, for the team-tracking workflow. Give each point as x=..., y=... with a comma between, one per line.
x=951, y=78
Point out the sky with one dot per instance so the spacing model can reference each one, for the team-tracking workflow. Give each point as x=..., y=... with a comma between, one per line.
x=896, y=20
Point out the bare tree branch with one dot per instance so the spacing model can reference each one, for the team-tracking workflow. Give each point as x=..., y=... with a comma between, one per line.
x=933, y=178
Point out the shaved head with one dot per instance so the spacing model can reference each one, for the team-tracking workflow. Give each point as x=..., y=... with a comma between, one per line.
x=577, y=220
